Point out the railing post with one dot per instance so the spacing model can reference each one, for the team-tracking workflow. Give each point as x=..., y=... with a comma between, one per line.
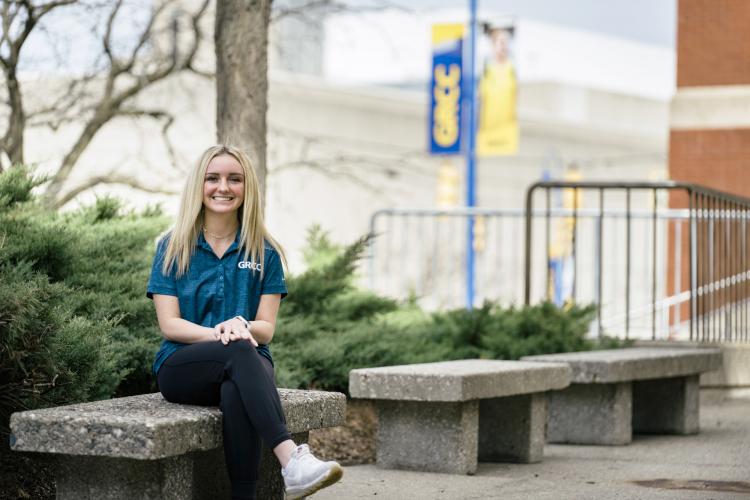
x=627, y=262
x=692, y=256
x=653, y=265
x=599, y=258
x=528, y=238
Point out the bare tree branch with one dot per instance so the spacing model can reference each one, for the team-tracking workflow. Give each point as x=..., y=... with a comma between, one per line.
x=195, y=21
x=12, y=139
x=150, y=113
x=316, y=8
x=135, y=75
x=205, y=74
x=121, y=76
x=146, y=36
x=47, y=7
x=157, y=114
x=6, y=16
x=75, y=100
x=303, y=10
x=168, y=143
x=107, y=38
x=113, y=178
x=328, y=169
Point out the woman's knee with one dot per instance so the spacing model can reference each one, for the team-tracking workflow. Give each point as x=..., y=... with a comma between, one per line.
x=241, y=348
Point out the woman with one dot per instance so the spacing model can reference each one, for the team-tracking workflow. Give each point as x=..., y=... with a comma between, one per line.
x=217, y=282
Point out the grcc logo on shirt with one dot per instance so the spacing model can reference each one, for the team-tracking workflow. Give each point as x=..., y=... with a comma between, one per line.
x=245, y=264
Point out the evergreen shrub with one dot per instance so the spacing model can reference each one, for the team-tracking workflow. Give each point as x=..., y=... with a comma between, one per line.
x=75, y=324
x=328, y=326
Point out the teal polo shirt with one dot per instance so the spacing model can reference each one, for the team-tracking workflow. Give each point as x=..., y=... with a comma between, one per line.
x=216, y=289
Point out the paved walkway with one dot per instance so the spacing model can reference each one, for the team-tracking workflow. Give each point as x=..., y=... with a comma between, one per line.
x=715, y=464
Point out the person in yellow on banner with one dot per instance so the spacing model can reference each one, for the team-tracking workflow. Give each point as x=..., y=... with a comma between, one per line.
x=497, y=132
x=561, y=262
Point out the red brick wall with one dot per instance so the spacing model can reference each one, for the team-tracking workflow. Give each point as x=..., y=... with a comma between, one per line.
x=713, y=42
x=718, y=159
x=713, y=48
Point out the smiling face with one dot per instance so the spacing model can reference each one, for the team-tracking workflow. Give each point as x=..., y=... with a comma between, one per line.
x=223, y=185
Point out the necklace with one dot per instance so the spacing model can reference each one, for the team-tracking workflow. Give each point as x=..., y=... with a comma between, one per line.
x=217, y=236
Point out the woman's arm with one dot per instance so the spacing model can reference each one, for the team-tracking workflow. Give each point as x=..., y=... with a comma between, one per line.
x=264, y=324
x=173, y=327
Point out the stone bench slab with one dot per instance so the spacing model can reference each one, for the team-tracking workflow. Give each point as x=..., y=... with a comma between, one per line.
x=148, y=427
x=454, y=381
x=629, y=364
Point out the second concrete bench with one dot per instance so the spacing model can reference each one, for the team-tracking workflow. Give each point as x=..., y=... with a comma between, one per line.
x=620, y=391
x=442, y=417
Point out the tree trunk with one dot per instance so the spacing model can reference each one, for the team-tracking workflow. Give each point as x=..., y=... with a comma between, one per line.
x=13, y=140
x=241, y=37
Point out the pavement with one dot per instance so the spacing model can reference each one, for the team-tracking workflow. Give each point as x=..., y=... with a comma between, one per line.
x=714, y=464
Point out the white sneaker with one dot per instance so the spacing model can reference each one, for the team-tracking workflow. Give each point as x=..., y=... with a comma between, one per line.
x=305, y=474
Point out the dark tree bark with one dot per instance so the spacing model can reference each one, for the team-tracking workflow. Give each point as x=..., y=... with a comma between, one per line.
x=241, y=38
x=13, y=139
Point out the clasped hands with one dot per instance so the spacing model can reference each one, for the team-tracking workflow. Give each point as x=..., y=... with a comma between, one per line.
x=233, y=329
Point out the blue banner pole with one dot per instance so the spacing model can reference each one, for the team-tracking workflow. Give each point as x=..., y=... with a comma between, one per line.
x=471, y=154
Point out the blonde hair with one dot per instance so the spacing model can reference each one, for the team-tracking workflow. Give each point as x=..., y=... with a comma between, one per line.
x=189, y=223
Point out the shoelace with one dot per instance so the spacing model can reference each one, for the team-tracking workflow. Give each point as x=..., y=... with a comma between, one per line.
x=299, y=453
x=303, y=450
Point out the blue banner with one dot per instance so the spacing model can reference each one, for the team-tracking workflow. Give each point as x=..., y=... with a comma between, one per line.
x=445, y=89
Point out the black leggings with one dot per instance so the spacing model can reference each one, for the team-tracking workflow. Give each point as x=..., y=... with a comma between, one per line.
x=241, y=382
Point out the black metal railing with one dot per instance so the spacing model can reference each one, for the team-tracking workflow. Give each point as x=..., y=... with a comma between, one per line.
x=717, y=264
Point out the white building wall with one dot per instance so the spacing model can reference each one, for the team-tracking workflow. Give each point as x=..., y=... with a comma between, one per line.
x=393, y=46
x=337, y=154
x=342, y=146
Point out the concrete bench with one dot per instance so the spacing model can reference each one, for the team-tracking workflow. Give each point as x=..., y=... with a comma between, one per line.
x=442, y=417
x=620, y=391
x=147, y=448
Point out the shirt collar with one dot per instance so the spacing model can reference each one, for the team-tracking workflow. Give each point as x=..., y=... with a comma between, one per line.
x=204, y=244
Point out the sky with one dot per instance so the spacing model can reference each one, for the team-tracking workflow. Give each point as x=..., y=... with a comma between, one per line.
x=647, y=21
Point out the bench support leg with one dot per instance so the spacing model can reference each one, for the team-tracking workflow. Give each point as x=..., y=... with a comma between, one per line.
x=197, y=476
x=666, y=406
x=591, y=414
x=105, y=478
x=511, y=429
x=434, y=437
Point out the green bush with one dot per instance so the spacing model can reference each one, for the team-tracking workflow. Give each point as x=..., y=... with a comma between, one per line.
x=48, y=356
x=328, y=327
x=75, y=324
x=109, y=275
x=15, y=186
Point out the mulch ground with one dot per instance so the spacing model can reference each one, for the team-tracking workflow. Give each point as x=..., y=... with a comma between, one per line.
x=350, y=444
x=25, y=476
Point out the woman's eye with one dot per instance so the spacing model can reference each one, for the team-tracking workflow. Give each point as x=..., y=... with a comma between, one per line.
x=235, y=179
